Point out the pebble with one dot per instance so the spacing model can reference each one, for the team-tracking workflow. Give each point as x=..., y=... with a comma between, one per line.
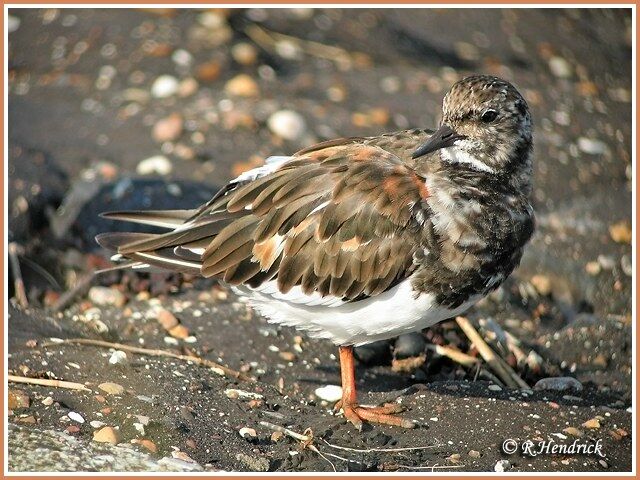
x=592, y=146
x=158, y=164
x=409, y=345
x=542, y=284
x=208, y=72
x=164, y=86
x=107, y=296
x=573, y=431
x=593, y=268
x=560, y=67
x=607, y=262
x=76, y=417
x=148, y=444
x=182, y=57
x=474, y=454
x=235, y=393
x=188, y=87
x=96, y=423
x=166, y=319
x=502, y=466
x=256, y=464
x=118, y=358
x=18, y=399
x=329, y=393
x=179, y=331
x=13, y=23
x=242, y=86
x=168, y=129
x=244, y=53
x=592, y=424
x=627, y=265
x=47, y=401
x=107, y=435
x=287, y=124
x=287, y=356
x=247, y=432
x=111, y=388
x=558, y=384
x=621, y=232
x=495, y=388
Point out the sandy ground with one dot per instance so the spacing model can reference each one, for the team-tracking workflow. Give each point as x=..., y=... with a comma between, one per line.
x=93, y=93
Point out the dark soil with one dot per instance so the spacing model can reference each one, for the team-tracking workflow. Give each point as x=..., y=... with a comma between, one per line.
x=76, y=138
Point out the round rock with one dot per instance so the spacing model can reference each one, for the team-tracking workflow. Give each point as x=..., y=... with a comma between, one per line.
x=287, y=124
x=558, y=384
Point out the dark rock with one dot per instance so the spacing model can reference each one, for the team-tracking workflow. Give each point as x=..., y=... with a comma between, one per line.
x=376, y=353
x=409, y=345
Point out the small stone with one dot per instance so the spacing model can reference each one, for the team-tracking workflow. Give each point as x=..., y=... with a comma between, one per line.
x=495, y=388
x=13, y=23
x=621, y=232
x=168, y=128
x=18, y=399
x=167, y=319
x=455, y=457
x=107, y=296
x=187, y=87
x=242, y=86
x=542, y=284
x=276, y=436
x=29, y=419
x=76, y=417
x=626, y=265
x=593, y=424
x=47, y=401
x=560, y=67
x=558, y=384
x=182, y=57
x=287, y=356
x=158, y=165
x=603, y=463
x=71, y=429
x=164, y=86
x=139, y=427
x=593, y=268
x=474, y=454
x=111, y=388
x=409, y=345
x=254, y=463
x=107, y=435
x=592, y=146
x=208, y=72
x=179, y=331
x=573, y=431
x=287, y=124
x=96, y=424
x=607, y=262
x=329, y=393
x=244, y=53
x=247, y=432
x=502, y=466
x=118, y=358
x=235, y=393
x=148, y=444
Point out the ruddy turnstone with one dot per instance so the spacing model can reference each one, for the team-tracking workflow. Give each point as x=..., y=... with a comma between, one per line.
x=361, y=239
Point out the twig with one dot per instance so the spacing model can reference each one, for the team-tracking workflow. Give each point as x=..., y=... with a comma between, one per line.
x=156, y=353
x=45, y=382
x=18, y=282
x=499, y=367
x=286, y=431
x=78, y=289
x=455, y=355
x=368, y=450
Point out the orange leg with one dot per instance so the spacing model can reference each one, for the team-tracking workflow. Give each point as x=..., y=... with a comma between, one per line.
x=349, y=405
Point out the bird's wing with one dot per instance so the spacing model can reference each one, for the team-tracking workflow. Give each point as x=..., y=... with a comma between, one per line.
x=339, y=220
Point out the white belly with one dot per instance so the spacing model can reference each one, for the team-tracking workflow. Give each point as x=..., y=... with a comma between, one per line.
x=387, y=315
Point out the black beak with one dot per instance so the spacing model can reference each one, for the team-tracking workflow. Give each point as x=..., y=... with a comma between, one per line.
x=441, y=138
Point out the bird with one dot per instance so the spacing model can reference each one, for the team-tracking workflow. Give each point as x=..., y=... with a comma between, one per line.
x=361, y=239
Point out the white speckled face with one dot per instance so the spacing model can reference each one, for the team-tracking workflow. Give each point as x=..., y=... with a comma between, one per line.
x=494, y=121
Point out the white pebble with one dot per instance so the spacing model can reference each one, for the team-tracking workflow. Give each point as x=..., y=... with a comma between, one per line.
x=502, y=466
x=287, y=124
x=139, y=427
x=495, y=388
x=329, y=393
x=592, y=146
x=97, y=424
x=118, y=358
x=76, y=417
x=182, y=57
x=560, y=67
x=13, y=23
x=247, y=432
x=164, y=86
x=158, y=164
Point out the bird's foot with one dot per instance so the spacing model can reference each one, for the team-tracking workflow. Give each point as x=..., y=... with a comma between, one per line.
x=384, y=414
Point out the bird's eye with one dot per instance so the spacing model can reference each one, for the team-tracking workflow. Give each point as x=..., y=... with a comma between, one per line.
x=489, y=116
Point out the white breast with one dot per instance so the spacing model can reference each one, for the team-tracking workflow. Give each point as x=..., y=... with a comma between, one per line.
x=384, y=316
